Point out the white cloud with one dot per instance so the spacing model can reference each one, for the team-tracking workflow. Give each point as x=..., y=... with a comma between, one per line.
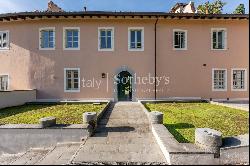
x=7, y=6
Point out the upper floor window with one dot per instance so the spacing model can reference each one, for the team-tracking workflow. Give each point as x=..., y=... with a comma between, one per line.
x=136, y=39
x=219, y=79
x=239, y=79
x=72, y=38
x=47, y=38
x=4, y=82
x=219, y=39
x=4, y=40
x=180, y=39
x=72, y=80
x=106, y=39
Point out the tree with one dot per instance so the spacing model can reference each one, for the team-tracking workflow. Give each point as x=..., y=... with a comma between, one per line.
x=211, y=8
x=240, y=9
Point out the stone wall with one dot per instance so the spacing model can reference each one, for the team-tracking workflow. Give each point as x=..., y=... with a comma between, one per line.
x=17, y=97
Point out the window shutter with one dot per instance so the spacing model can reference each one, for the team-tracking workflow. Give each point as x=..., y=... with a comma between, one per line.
x=0, y=40
x=185, y=39
x=225, y=40
x=142, y=39
x=129, y=38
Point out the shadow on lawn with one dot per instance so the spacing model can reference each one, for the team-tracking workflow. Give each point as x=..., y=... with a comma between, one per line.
x=11, y=111
x=172, y=128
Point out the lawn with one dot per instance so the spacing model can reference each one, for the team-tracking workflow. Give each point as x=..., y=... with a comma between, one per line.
x=30, y=114
x=181, y=119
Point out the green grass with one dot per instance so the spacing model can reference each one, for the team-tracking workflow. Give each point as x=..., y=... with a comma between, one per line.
x=30, y=114
x=181, y=119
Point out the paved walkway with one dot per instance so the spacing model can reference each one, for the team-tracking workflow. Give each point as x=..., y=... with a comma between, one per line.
x=123, y=136
x=243, y=105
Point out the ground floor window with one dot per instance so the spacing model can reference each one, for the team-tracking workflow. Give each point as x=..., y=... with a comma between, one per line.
x=238, y=79
x=72, y=80
x=219, y=79
x=4, y=82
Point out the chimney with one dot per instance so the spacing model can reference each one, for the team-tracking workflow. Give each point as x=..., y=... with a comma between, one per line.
x=191, y=3
x=85, y=5
x=207, y=12
x=52, y=7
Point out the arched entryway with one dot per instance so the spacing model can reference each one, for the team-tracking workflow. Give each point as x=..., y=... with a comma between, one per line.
x=124, y=86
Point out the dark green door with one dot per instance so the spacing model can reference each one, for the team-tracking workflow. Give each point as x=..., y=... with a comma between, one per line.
x=124, y=87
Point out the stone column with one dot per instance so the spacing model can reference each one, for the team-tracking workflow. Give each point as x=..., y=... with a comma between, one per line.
x=156, y=117
x=90, y=118
x=47, y=122
x=209, y=139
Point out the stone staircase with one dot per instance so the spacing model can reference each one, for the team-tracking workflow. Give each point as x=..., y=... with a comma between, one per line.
x=123, y=137
x=60, y=154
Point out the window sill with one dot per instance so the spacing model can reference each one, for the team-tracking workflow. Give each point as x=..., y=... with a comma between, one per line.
x=180, y=49
x=218, y=49
x=47, y=49
x=72, y=91
x=71, y=49
x=219, y=90
x=100, y=50
x=4, y=49
x=136, y=50
x=238, y=90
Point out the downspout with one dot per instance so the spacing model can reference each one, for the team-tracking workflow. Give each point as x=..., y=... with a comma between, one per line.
x=155, y=56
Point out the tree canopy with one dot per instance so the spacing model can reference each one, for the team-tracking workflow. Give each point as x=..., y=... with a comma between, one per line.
x=211, y=8
x=240, y=9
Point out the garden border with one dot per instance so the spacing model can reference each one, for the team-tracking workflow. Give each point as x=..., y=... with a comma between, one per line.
x=16, y=138
x=236, y=151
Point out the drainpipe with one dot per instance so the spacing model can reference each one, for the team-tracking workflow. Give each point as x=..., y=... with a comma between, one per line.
x=155, y=56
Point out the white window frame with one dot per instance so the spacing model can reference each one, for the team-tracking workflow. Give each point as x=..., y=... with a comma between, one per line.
x=245, y=79
x=8, y=40
x=186, y=38
x=142, y=39
x=8, y=85
x=225, y=38
x=65, y=77
x=40, y=38
x=112, y=38
x=64, y=37
x=213, y=89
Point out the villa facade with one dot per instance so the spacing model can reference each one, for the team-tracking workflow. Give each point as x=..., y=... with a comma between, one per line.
x=89, y=55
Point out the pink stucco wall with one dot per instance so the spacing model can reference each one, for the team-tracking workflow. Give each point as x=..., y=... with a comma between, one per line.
x=31, y=68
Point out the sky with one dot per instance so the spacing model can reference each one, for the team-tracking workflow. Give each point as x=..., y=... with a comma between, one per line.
x=10, y=6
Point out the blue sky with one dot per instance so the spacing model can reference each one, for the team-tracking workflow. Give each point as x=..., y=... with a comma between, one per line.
x=8, y=6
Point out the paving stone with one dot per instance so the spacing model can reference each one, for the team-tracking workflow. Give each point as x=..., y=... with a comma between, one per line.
x=123, y=136
x=7, y=159
x=60, y=155
x=31, y=157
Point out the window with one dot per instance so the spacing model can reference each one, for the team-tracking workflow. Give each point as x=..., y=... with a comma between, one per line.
x=180, y=39
x=72, y=80
x=136, y=39
x=72, y=38
x=219, y=79
x=47, y=39
x=4, y=82
x=106, y=39
x=4, y=40
x=218, y=39
x=239, y=80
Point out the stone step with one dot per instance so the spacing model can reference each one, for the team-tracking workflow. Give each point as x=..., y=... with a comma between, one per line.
x=7, y=159
x=31, y=157
x=117, y=140
x=60, y=155
x=124, y=157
